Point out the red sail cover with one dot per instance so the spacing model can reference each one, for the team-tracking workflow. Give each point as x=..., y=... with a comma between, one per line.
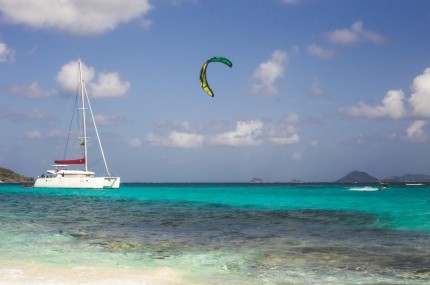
x=71, y=161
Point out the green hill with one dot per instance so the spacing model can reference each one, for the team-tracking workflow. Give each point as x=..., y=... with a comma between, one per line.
x=8, y=176
x=357, y=177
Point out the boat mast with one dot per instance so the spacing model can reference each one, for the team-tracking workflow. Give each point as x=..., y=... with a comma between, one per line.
x=83, y=115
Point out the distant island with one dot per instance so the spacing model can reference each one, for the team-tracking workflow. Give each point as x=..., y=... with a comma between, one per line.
x=363, y=177
x=8, y=176
x=357, y=177
x=411, y=178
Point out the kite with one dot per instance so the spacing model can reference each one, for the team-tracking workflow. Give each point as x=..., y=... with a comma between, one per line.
x=203, y=81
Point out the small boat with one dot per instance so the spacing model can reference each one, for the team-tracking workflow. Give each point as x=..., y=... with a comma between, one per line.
x=62, y=176
x=383, y=185
x=26, y=185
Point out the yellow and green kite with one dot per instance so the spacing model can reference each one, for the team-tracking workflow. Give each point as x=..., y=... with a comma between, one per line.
x=203, y=80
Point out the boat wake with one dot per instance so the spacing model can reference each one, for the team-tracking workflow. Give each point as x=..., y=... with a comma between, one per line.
x=364, y=188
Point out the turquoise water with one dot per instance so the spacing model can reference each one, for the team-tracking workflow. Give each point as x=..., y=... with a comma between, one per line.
x=216, y=234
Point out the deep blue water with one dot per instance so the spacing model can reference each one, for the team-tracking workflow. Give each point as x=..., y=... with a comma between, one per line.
x=226, y=233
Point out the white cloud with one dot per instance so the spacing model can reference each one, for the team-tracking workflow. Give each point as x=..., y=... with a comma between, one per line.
x=320, y=52
x=33, y=91
x=135, y=143
x=186, y=140
x=255, y=132
x=107, y=84
x=420, y=98
x=356, y=33
x=265, y=77
x=176, y=139
x=245, y=134
x=67, y=77
x=392, y=107
x=172, y=135
x=283, y=132
x=415, y=131
x=79, y=17
x=35, y=134
x=107, y=120
x=6, y=54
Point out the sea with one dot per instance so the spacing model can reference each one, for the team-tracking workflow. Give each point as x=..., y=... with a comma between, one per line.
x=152, y=234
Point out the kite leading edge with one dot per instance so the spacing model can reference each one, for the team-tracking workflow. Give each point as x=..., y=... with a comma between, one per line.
x=203, y=80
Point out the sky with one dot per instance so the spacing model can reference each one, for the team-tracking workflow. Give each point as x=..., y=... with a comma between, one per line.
x=317, y=88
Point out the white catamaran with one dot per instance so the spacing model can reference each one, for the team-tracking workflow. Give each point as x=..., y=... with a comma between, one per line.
x=63, y=177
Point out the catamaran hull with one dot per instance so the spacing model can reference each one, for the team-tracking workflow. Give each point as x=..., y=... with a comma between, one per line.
x=78, y=182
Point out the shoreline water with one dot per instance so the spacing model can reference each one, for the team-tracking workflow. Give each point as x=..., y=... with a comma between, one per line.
x=213, y=234
x=48, y=273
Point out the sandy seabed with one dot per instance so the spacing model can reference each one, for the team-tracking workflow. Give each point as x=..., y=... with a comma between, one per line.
x=32, y=273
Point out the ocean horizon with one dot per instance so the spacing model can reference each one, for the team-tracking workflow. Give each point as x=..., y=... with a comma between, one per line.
x=216, y=233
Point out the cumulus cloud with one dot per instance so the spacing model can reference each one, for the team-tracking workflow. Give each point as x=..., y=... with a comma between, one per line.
x=392, y=106
x=420, y=97
x=245, y=134
x=34, y=134
x=67, y=77
x=79, y=17
x=257, y=132
x=109, y=85
x=106, y=85
x=282, y=132
x=6, y=54
x=354, y=34
x=135, y=143
x=107, y=120
x=176, y=139
x=320, y=52
x=34, y=90
x=268, y=73
x=174, y=135
x=415, y=131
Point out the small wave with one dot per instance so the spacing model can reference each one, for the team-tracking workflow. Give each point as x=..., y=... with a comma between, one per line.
x=365, y=188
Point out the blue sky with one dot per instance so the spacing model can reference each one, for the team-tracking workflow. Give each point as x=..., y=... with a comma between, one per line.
x=317, y=88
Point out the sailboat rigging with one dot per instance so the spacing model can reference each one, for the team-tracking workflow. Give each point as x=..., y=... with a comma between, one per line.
x=63, y=177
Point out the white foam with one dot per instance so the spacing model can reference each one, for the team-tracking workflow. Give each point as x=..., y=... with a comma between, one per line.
x=364, y=188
